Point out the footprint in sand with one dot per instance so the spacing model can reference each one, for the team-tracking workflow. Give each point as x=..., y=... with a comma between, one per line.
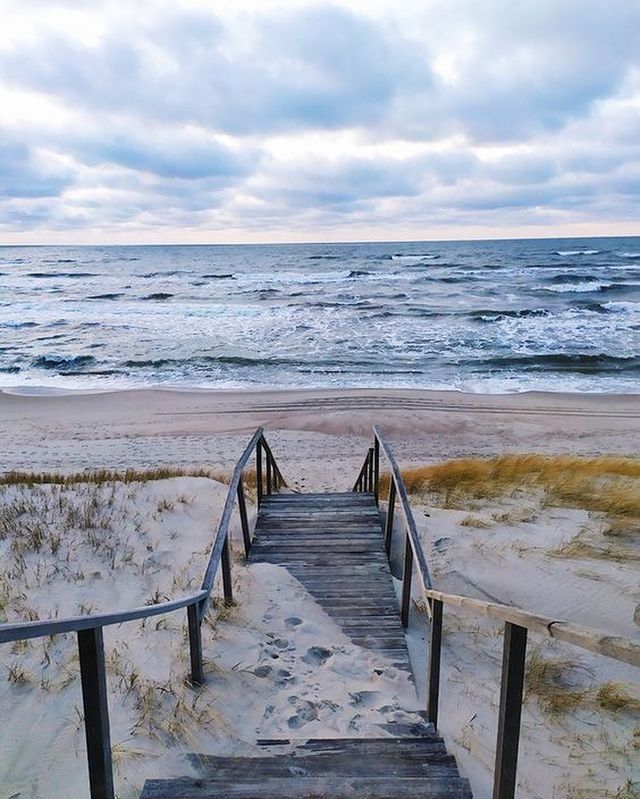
x=292, y=622
x=317, y=655
x=285, y=677
x=262, y=671
x=305, y=712
x=364, y=698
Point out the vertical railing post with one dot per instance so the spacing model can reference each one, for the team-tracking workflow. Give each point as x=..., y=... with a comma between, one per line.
x=195, y=644
x=259, y=471
x=226, y=572
x=510, y=712
x=406, y=582
x=269, y=475
x=391, y=506
x=244, y=522
x=433, y=680
x=376, y=469
x=370, y=471
x=96, y=712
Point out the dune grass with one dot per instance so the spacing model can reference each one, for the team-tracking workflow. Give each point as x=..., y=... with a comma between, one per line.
x=106, y=476
x=607, y=484
x=607, y=487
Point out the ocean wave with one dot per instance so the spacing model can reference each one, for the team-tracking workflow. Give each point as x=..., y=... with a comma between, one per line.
x=167, y=273
x=324, y=258
x=66, y=362
x=628, y=254
x=108, y=296
x=577, y=252
x=414, y=258
x=19, y=325
x=158, y=295
x=497, y=316
x=622, y=305
x=573, y=277
x=358, y=273
x=566, y=362
x=62, y=274
x=213, y=276
x=10, y=370
x=568, y=288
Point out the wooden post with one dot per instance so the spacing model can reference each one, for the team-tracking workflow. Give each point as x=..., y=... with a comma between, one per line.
x=259, y=472
x=242, y=507
x=195, y=644
x=406, y=582
x=226, y=572
x=376, y=469
x=388, y=530
x=96, y=712
x=511, y=685
x=433, y=680
x=370, y=471
x=269, y=475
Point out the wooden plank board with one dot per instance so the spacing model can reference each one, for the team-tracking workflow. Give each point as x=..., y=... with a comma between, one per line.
x=437, y=787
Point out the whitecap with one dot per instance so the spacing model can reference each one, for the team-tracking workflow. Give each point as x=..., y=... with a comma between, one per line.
x=414, y=259
x=577, y=252
x=628, y=254
x=563, y=288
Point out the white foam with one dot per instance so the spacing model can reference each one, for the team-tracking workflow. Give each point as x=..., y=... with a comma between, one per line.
x=563, y=288
x=577, y=252
x=414, y=259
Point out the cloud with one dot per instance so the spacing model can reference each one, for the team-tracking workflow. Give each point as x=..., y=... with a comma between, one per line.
x=275, y=116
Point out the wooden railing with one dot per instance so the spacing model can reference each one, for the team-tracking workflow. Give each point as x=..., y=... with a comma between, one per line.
x=89, y=628
x=517, y=624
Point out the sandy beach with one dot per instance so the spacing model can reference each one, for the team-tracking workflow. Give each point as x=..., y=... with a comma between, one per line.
x=516, y=547
x=139, y=428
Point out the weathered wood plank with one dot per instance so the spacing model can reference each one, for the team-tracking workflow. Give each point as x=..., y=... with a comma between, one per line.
x=440, y=787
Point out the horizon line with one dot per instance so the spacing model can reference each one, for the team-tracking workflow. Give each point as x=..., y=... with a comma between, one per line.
x=315, y=242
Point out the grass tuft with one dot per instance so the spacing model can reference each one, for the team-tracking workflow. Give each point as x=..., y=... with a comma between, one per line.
x=614, y=697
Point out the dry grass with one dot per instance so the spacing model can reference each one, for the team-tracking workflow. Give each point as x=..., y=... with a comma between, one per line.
x=606, y=484
x=476, y=521
x=106, y=476
x=616, y=698
x=583, y=546
x=551, y=682
x=608, y=488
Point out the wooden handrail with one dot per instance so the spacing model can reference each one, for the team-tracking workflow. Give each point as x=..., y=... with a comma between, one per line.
x=89, y=627
x=613, y=646
x=517, y=623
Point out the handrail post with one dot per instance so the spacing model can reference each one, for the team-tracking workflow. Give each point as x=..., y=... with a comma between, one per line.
x=433, y=680
x=195, y=644
x=510, y=712
x=259, y=471
x=242, y=508
x=370, y=471
x=376, y=469
x=269, y=475
x=391, y=506
x=96, y=712
x=406, y=582
x=226, y=572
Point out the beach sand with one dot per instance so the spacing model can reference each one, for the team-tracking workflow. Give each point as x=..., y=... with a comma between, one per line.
x=307, y=429
x=319, y=439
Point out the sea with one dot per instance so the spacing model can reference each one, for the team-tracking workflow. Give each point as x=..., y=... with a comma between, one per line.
x=474, y=316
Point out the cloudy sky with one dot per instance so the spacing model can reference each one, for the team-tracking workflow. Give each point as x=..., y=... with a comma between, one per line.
x=185, y=121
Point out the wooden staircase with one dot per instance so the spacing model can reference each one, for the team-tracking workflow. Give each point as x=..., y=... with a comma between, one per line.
x=360, y=768
x=333, y=544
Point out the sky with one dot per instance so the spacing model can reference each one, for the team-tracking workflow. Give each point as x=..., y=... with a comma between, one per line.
x=260, y=121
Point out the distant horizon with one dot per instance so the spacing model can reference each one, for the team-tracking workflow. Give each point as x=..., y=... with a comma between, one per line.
x=303, y=242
